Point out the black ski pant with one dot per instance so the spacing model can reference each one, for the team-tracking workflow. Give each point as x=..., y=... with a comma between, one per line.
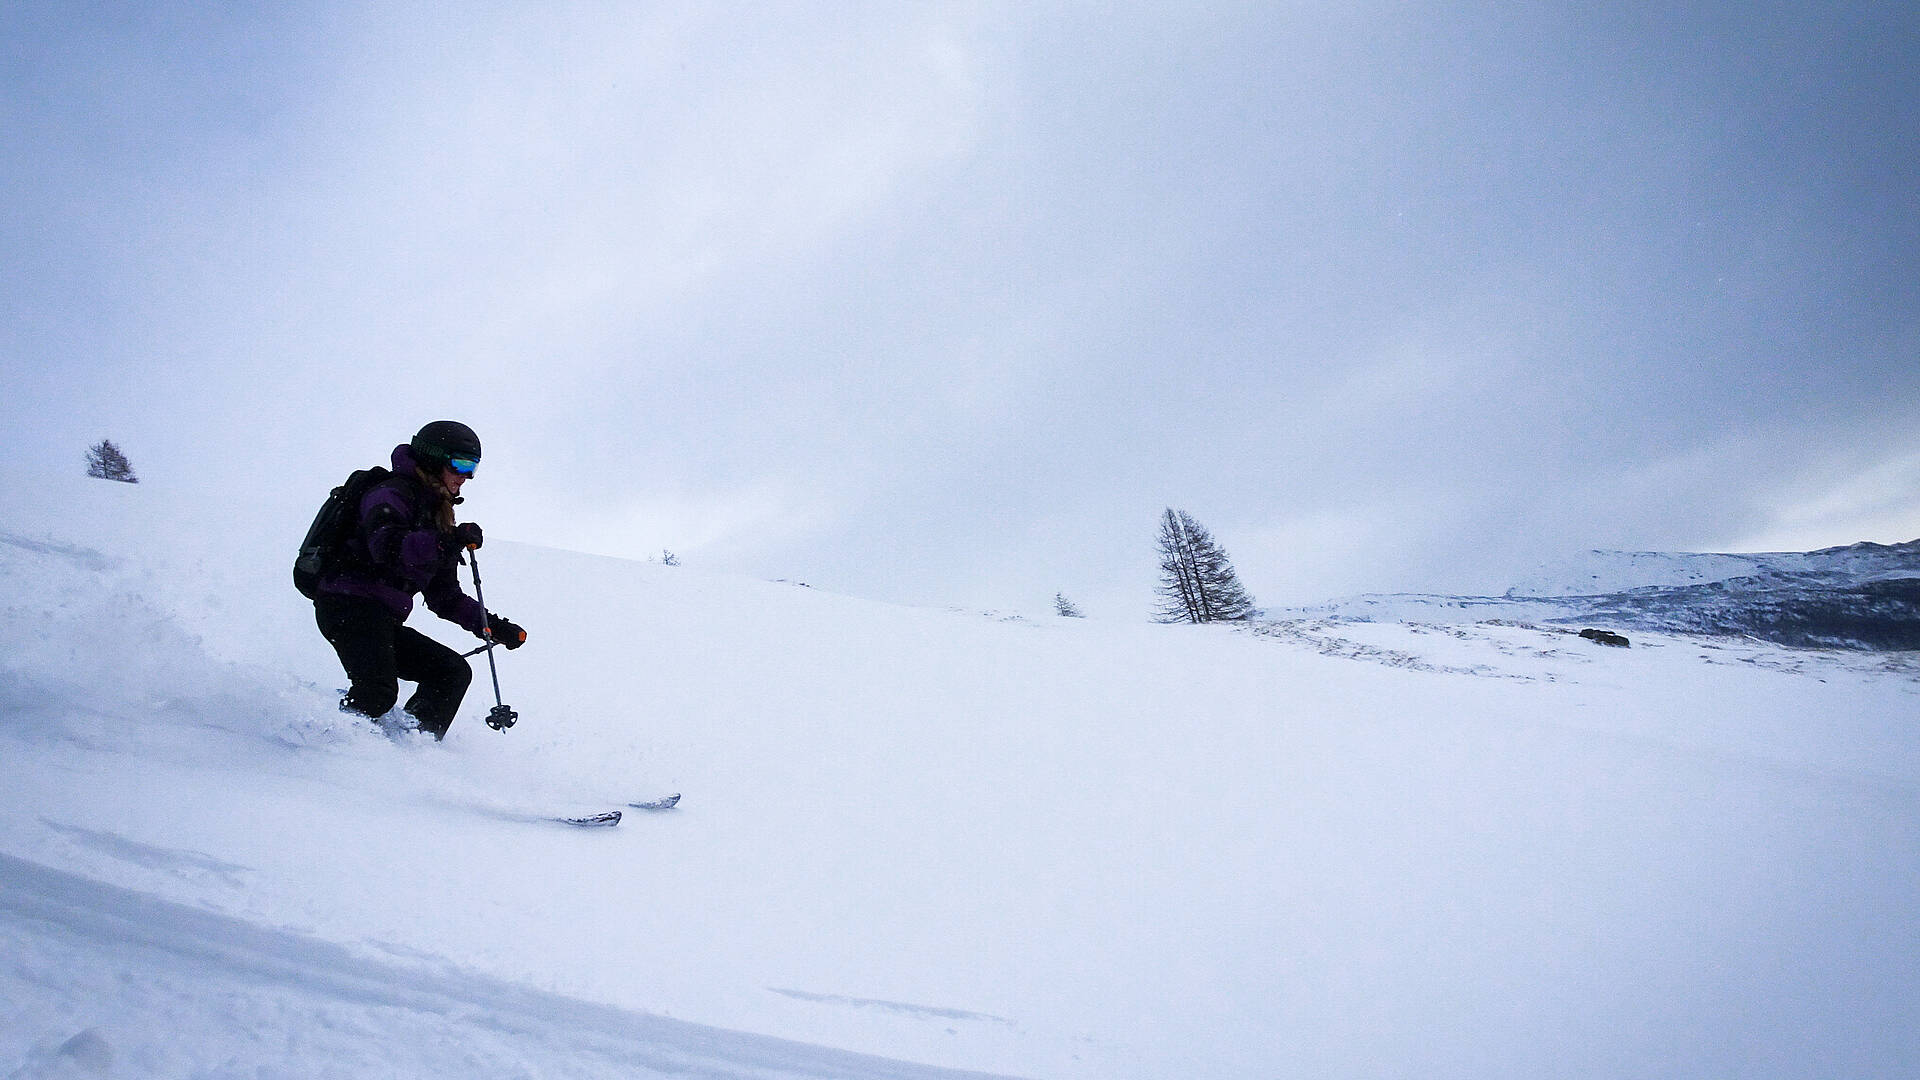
x=378, y=650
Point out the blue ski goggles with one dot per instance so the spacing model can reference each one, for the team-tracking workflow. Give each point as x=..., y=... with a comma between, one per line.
x=463, y=465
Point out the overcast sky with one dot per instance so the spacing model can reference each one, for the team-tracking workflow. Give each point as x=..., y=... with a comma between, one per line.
x=943, y=302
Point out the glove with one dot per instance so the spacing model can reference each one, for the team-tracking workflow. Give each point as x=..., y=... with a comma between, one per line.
x=504, y=632
x=467, y=535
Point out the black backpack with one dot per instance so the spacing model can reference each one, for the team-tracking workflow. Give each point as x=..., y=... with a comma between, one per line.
x=332, y=527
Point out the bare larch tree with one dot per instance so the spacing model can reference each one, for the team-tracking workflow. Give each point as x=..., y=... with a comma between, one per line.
x=1197, y=581
x=105, y=461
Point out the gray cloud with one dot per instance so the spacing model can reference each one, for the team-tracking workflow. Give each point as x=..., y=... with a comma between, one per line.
x=945, y=302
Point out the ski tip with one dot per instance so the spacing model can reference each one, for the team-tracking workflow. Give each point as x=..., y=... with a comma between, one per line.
x=667, y=803
x=611, y=817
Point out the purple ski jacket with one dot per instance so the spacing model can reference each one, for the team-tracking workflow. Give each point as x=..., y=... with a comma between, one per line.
x=399, y=550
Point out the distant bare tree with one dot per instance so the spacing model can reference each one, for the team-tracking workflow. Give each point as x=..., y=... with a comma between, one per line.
x=105, y=461
x=1065, y=608
x=1197, y=582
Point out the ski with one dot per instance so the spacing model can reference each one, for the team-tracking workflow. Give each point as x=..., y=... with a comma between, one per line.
x=604, y=820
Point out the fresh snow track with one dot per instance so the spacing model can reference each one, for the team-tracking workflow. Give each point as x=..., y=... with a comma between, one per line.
x=102, y=980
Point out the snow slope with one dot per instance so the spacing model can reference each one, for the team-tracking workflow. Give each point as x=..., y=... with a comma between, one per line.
x=1866, y=596
x=1040, y=847
x=177, y=989
x=1596, y=573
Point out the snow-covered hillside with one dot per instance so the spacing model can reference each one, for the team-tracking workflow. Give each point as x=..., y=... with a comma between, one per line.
x=1597, y=573
x=1865, y=596
x=1038, y=847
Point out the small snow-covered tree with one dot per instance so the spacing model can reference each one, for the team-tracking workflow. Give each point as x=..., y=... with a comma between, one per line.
x=1197, y=581
x=104, y=460
x=1065, y=608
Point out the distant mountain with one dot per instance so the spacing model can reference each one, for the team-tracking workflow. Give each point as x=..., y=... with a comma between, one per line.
x=1597, y=573
x=1863, y=596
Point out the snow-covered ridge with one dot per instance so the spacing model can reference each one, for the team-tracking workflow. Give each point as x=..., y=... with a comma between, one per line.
x=1597, y=573
x=1864, y=596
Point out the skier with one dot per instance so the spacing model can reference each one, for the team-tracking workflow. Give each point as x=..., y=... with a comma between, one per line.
x=407, y=542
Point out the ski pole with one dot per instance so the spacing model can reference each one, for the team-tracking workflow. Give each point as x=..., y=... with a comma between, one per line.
x=501, y=718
